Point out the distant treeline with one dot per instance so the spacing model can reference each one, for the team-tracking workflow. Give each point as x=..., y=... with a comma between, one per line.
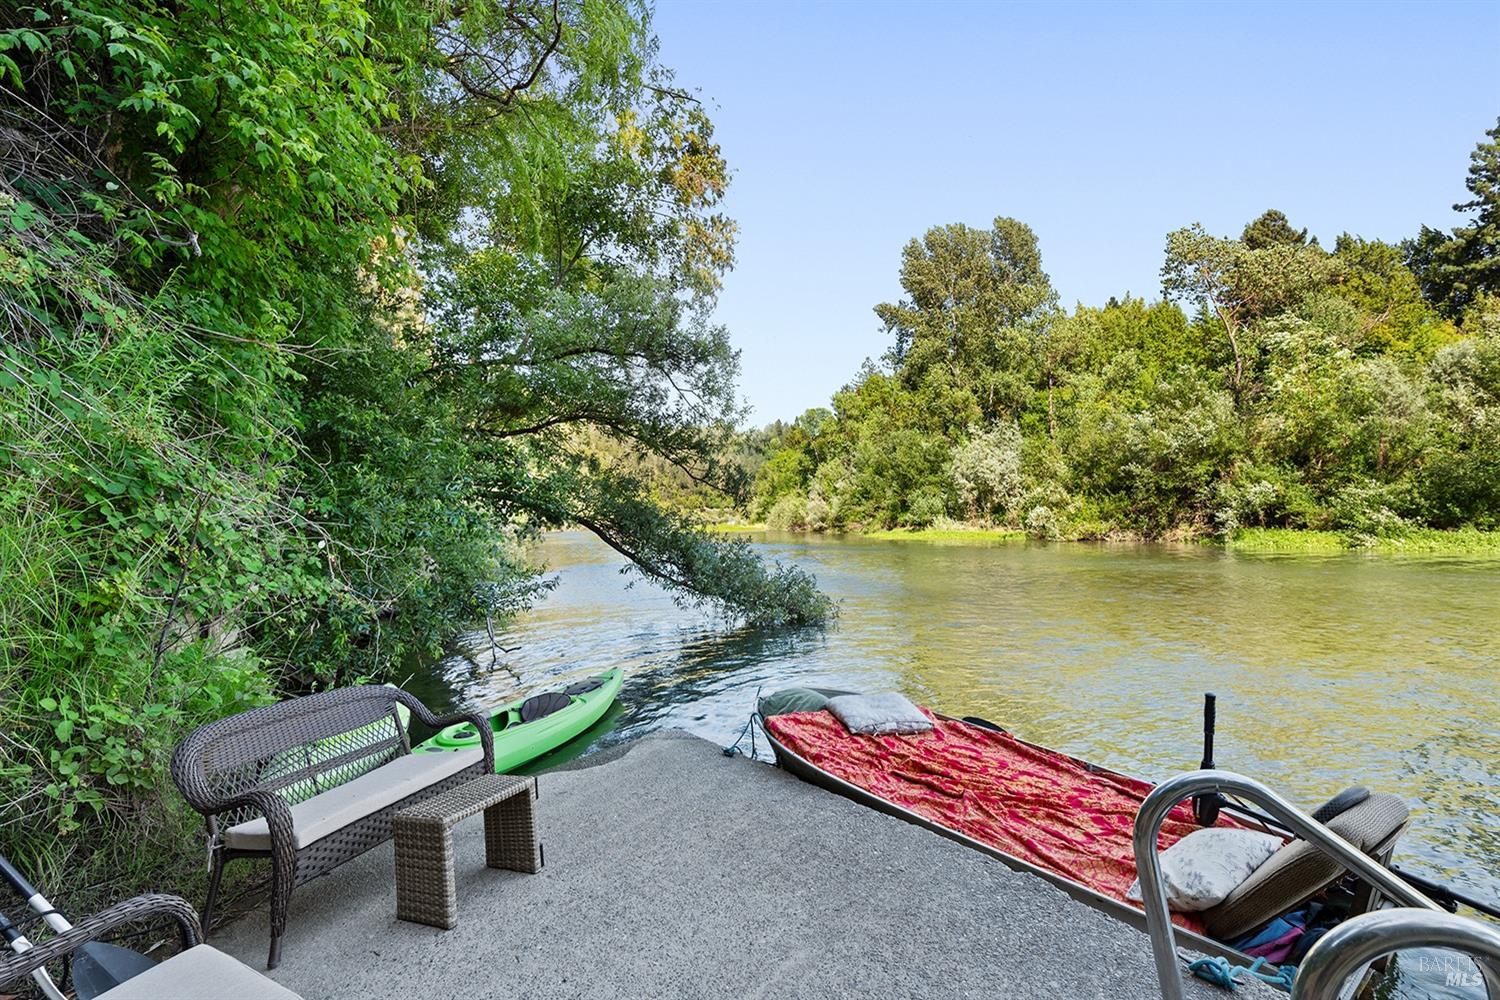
x=1278, y=383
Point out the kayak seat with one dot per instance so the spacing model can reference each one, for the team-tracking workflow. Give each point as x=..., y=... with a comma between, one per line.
x=542, y=705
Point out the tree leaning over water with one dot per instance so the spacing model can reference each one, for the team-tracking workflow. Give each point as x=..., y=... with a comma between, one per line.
x=311, y=312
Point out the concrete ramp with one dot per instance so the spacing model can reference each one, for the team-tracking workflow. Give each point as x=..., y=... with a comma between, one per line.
x=673, y=871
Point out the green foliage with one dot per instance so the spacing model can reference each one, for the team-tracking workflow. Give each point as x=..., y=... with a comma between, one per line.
x=313, y=314
x=138, y=530
x=1243, y=284
x=986, y=471
x=1271, y=229
x=1394, y=317
x=1458, y=268
x=1310, y=390
x=975, y=300
x=1459, y=482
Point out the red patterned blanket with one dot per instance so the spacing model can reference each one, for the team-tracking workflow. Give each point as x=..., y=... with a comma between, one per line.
x=1032, y=803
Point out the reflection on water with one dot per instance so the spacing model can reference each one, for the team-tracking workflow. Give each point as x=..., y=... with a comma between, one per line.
x=1330, y=670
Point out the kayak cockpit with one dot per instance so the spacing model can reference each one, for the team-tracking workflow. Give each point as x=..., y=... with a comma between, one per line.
x=528, y=728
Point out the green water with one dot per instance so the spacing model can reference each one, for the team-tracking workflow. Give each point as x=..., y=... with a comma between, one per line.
x=1330, y=670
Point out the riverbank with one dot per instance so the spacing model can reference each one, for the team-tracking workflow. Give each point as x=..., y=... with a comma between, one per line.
x=1465, y=541
x=1427, y=541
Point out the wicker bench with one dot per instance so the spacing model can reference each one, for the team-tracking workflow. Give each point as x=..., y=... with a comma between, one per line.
x=426, y=891
x=312, y=782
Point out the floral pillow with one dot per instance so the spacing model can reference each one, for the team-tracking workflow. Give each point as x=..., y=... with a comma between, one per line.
x=1204, y=867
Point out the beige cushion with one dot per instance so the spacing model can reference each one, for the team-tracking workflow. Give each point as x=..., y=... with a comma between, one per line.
x=200, y=973
x=331, y=811
x=1203, y=868
x=1299, y=869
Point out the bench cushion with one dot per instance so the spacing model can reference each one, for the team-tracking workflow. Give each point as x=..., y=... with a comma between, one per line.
x=331, y=811
x=201, y=973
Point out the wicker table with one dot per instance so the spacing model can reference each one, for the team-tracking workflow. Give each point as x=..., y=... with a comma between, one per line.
x=425, y=887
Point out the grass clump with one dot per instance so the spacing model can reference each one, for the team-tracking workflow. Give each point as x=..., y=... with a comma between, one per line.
x=1462, y=541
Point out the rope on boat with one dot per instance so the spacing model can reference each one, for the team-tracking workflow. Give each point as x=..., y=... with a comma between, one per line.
x=734, y=748
x=1219, y=972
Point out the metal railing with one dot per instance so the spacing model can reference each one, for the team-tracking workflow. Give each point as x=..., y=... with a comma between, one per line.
x=1154, y=898
x=1360, y=940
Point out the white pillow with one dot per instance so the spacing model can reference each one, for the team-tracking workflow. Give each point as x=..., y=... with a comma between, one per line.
x=1207, y=865
x=882, y=714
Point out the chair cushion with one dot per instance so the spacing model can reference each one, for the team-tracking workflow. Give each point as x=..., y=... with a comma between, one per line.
x=331, y=811
x=1204, y=867
x=1299, y=869
x=201, y=973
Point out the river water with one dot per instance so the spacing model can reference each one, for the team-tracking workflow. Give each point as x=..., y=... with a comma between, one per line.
x=1330, y=670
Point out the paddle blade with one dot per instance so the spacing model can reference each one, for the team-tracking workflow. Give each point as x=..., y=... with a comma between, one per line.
x=100, y=967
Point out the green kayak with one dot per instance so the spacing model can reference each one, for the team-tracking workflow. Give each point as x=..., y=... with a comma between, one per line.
x=526, y=729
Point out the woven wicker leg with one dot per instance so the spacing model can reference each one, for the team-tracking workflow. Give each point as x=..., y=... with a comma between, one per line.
x=426, y=891
x=511, y=837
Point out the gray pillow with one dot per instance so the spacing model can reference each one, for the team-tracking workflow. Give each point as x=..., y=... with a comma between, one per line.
x=879, y=714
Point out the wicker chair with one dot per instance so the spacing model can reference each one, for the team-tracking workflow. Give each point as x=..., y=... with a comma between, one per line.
x=195, y=971
x=312, y=782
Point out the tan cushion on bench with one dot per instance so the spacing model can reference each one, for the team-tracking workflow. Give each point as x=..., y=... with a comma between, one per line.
x=200, y=973
x=1299, y=869
x=331, y=811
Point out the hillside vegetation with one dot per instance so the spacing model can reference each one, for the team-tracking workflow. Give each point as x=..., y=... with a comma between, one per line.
x=310, y=312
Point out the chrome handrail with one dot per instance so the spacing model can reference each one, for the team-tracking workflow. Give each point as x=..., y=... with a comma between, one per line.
x=1360, y=940
x=1174, y=790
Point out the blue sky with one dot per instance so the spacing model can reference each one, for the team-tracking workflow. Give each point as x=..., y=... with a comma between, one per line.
x=852, y=127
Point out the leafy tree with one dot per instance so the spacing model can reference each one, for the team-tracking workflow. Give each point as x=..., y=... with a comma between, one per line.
x=896, y=451
x=975, y=300
x=313, y=311
x=1242, y=284
x=799, y=448
x=986, y=470
x=1459, y=482
x=1271, y=228
x=1335, y=416
x=1456, y=268
x=1157, y=463
x=1395, y=319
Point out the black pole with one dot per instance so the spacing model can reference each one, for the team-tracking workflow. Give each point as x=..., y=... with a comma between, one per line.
x=19, y=882
x=1447, y=896
x=1206, y=804
x=8, y=930
x=1210, y=710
